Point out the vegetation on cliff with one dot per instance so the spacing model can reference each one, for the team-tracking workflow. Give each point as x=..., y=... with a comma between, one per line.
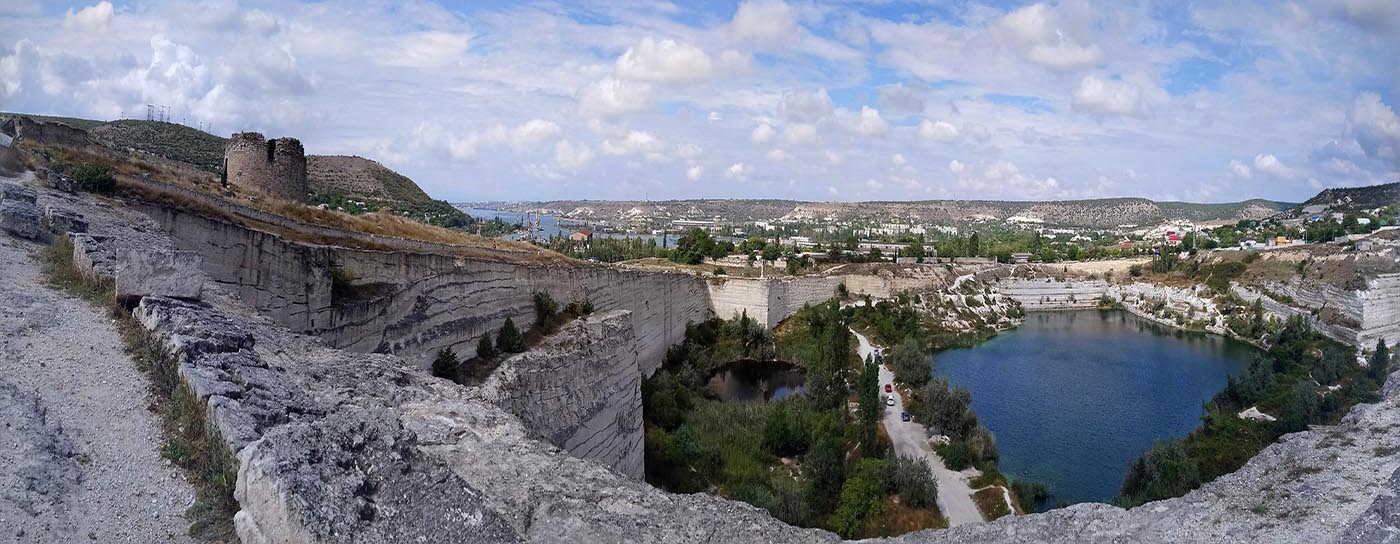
x=806, y=459
x=1304, y=378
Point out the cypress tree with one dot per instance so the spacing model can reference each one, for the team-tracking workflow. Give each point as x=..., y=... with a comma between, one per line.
x=510, y=340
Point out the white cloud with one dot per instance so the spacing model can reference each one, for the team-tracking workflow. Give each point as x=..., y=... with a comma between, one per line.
x=426, y=49
x=1376, y=127
x=611, y=96
x=531, y=132
x=777, y=155
x=1270, y=164
x=762, y=134
x=664, y=61
x=737, y=171
x=800, y=134
x=572, y=157
x=695, y=172
x=636, y=141
x=689, y=151
x=901, y=99
x=868, y=122
x=941, y=131
x=898, y=159
x=765, y=23
x=874, y=184
x=1038, y=31
x=1239, y=169
x=94, y=18
x=806, y=106
x=957, y=167
x=1108, y=97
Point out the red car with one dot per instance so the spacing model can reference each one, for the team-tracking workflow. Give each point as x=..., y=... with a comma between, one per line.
x=889, y=388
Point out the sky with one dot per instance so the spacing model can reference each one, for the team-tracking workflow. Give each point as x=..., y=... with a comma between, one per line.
x=826, y=101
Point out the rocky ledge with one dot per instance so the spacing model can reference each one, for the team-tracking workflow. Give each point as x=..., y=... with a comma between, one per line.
x=337, y=447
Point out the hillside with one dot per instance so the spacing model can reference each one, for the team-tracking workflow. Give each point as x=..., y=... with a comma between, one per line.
x=1099, y=213
x=1344, y=199
x=354, y=184
x=357, y=184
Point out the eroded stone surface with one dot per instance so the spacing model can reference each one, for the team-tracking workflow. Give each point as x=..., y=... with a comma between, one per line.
x=164, y=273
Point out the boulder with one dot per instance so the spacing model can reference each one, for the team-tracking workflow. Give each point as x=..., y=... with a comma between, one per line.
x=60, y=221
x=11, y=191
x=173, y=274
x=63, y=183
x=21, y=218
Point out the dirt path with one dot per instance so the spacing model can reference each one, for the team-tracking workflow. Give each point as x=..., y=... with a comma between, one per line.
x=911, y=440
x=79, y=449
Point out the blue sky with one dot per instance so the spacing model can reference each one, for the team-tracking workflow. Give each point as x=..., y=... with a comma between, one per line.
x=1205, y=101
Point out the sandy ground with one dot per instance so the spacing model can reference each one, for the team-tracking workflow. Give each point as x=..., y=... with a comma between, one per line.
x=911, y=440
x=79, y=448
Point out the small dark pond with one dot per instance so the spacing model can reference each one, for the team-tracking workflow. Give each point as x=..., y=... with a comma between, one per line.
x=755, y=380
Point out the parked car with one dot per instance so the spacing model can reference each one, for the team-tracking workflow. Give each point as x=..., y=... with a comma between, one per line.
x=889, y=388
x=904, y=416
x=889, y=401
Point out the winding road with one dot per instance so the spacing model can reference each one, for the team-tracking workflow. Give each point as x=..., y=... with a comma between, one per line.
x=911, y=440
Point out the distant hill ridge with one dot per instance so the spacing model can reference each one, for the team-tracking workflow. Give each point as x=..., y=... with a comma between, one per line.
x=1342, y=199
x=1095, y=213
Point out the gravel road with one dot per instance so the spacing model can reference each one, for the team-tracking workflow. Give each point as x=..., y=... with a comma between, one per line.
x=79, y=447
x=911, y=440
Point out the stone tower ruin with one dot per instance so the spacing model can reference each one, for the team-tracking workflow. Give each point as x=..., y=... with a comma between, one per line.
x=277, y=167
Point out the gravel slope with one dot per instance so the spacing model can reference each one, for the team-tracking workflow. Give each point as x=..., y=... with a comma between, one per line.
x=79, y=448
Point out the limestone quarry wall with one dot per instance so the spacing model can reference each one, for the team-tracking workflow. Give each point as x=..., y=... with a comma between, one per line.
x=414, y=304
x=768, y=300
x=1051, y=294
x=580, y=390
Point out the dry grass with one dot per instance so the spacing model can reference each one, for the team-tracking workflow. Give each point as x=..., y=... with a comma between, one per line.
x=899, y=519
x=130, y=171
x=991, y=503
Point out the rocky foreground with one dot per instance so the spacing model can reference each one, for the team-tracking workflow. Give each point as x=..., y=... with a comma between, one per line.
x=337, y=446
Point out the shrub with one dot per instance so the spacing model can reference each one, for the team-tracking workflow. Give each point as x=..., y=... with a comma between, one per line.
x=509, y=340
x=445, y=364
x=1165, y=471
x=912, y=480
x=956, y=455
x=484, y=348
x=1030, y=495
x=95, y=178
x=579, y=307
x=910, y=364
x=1135, y=270
x=546, y=311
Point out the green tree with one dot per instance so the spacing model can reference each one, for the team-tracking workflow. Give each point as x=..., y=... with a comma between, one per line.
x=484, y=348
x=1165, y=471
x=910, y=364
x=693, y=247
x=95, y=178
x=546, y=311
x=785, y=433
x=974, y=245
x=509, y=339
x=1380, y=361
x=445, y=364
x=824, y=471
x=862, y=498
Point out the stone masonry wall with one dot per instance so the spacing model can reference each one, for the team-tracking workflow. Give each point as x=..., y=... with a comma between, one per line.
x=580, y=390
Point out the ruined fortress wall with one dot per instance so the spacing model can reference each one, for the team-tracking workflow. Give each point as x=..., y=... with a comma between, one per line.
x=276, y=167
x=580, y=390
x=48, y=132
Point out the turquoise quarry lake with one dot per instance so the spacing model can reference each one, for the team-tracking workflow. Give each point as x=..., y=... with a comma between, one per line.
x=1074, y=397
